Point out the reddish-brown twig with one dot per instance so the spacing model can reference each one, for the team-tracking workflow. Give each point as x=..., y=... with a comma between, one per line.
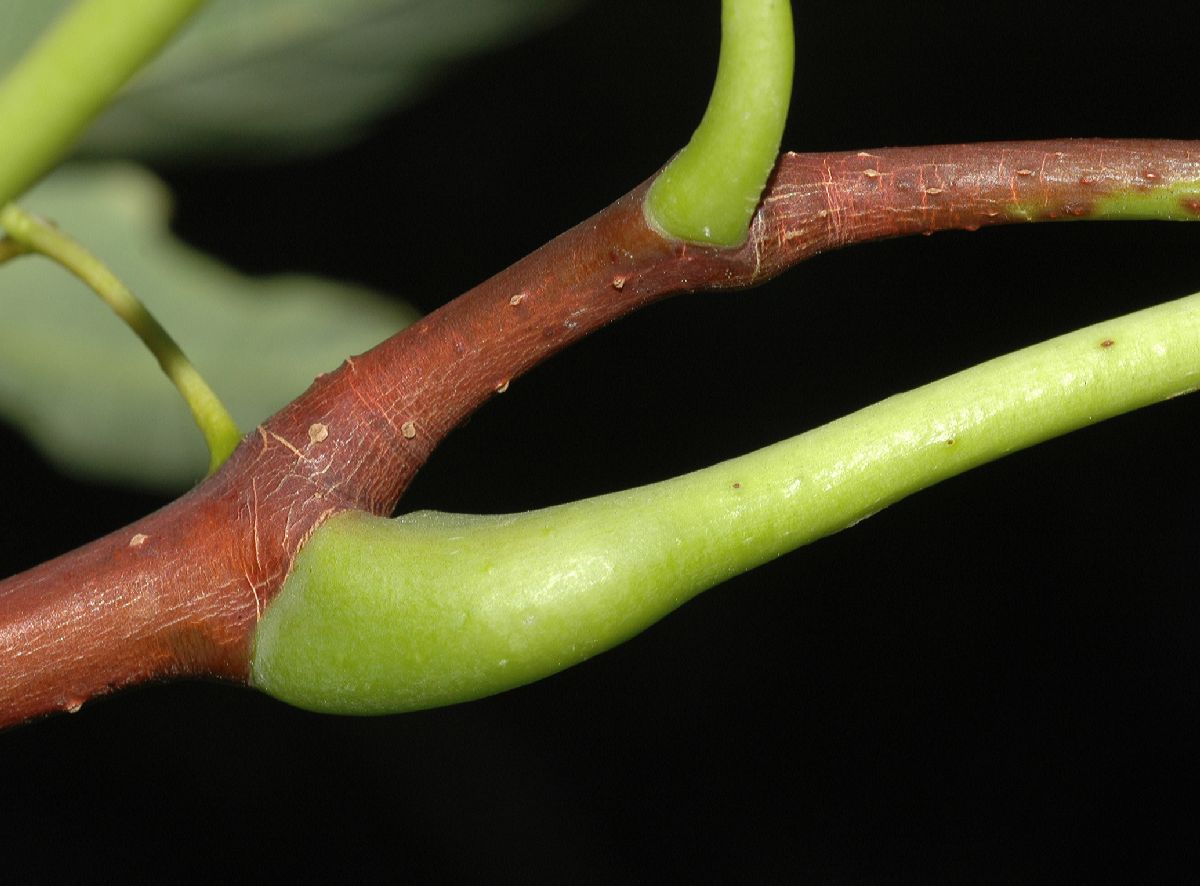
x=180, y=591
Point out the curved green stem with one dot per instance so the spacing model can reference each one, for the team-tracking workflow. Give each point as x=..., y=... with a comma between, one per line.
x=71, y=74
x=391, y=615
x=219, y=429
x=708, y=192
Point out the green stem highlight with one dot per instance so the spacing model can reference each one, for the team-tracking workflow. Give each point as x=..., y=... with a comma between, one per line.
x=219, y=429
x=71, y=74
x=709, y=191
x=384, y=616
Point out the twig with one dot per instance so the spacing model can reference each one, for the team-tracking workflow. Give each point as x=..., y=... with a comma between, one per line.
x=181, y=591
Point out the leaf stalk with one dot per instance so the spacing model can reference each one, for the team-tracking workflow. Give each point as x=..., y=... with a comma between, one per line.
x=31, y=234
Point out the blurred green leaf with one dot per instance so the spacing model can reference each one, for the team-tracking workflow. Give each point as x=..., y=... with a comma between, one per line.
x=83, y=388
x=265, y=78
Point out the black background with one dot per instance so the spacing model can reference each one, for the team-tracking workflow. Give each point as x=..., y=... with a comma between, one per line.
x=994, y=679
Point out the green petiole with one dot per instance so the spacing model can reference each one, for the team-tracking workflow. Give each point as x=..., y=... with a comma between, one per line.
x=709, y=191
x=26, y=233
x=71, y=74
x=383, y=616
